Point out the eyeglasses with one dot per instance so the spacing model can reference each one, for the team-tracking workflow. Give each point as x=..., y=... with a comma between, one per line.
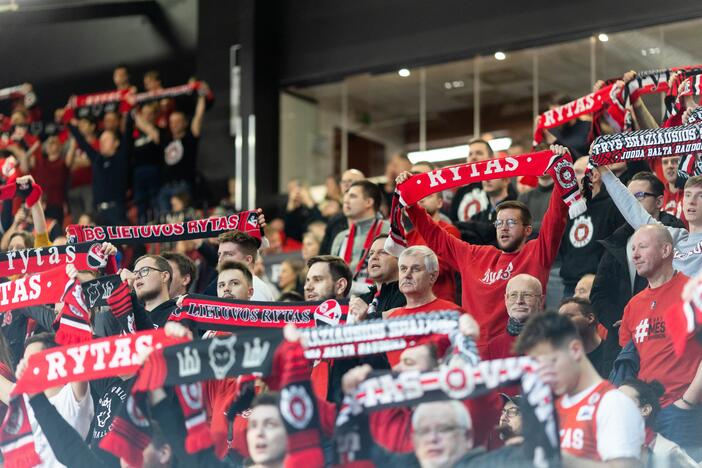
x=439, y=430
x=143, y=272
x=511, y=412
x=527, y=296
x=641, y=195
x=510, y=223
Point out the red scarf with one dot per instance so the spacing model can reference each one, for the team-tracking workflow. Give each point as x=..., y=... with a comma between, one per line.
x=375, y=229
x=106, y=357
x=28, y=192
x=37, y=289
x=540, y=163
x=16, y=439
x=602, y=100
x=246, y=221
x=190, y=397
x=72, y=325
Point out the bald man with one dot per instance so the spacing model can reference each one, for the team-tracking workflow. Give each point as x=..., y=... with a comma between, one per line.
x=338, y=222
x=523, y=299
x=643, y=323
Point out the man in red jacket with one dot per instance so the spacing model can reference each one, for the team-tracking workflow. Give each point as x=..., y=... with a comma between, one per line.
x=485, y=270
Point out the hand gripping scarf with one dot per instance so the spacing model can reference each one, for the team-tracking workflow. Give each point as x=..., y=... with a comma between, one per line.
x=29, y=192
x=106, y=357
x=540, y=163
x=19, y=91
x=457, y=381
x=246, y=221
x=210, y=313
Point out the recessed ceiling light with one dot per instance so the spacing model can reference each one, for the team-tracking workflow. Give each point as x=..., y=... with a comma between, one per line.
x=403, y=72
x=500, y=56
x=603, y=37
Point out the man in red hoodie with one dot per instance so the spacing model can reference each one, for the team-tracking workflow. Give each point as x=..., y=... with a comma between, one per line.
x=485, y=269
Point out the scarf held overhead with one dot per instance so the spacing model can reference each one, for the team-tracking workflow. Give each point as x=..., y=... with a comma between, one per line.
x=375, y=336
x=248, y=352
x=246, y=221
x=421, y=185
x=46, y=287
x=106, y=357
x=85, y=256
x=209, y=313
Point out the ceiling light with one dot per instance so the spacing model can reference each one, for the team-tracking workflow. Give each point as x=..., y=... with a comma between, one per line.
x=439, y=154
x=500, y=56
x=403, y=72
x=603, y=37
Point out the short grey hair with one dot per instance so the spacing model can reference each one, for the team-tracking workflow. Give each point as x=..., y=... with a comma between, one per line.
x=457, y=408
x=431, y=261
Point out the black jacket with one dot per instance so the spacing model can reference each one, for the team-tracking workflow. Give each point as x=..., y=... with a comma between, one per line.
x=580, y=252
x=335, y=225
x=389, y=298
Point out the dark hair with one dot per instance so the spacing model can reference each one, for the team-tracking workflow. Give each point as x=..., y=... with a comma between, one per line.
x=657, y=186
x=337, y=267
x=484, y=142
x=248, y=244
x=266, y=399
x=153, y=74
x=290, y=296
x=584, y=305
x=234, y=265
x=550, y=327
x=123, y=65
x=380, y=236
x=370, y=190
x=649, y=394
x=185, y=265
x=516, y=205
x=46, y=339
x=161, y=263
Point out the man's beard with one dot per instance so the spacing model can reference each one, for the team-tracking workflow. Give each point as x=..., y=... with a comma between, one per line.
x=505, y=431
x=147, y=296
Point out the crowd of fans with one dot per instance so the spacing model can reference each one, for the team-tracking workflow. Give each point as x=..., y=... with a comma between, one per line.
x=488, y=250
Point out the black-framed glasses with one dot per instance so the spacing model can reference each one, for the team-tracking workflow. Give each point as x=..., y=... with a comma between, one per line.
x=641, y=195
x=144, y=271
x=511, y=222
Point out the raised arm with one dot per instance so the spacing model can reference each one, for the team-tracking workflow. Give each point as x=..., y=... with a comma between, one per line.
x=83, y=143
x=626, y=203
x=196, y=124
x=147, y=128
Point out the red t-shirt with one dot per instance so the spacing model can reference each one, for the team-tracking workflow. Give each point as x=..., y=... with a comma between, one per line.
x=644, y=323
x=485, y=270
x=501, y=346
x=445, y=286
x=578, y=428
x=52, y=176
x=441, y=341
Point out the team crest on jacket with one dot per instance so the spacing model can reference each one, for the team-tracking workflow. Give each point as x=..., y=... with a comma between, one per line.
x=565, y=174
x=581, y=232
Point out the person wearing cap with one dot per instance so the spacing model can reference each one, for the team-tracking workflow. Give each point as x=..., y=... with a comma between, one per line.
x=509, y=428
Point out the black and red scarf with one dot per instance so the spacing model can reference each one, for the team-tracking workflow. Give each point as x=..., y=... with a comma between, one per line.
x=72, y=324
x=29, y=192
x=231, y=315
x=457, y=381
x=420, y=185
x=16, y=438
x=85, y=256
x=100, y=358
x=246, y=221
x=375, y=229
x=19, y=91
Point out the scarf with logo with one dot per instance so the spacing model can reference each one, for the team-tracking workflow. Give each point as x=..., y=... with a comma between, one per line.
x=100, y=358
x=98, y=291
x=246, y=221
x=16, y=439
x=192, y=403
x=29, y=192
x=642, y=144
x=231, y=315
x=72, y=324
x=543, y=162
x=457, y=381
x=130, y=431
x=85, y=256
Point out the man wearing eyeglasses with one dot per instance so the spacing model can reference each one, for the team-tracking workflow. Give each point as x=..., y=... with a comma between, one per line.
x=151, y=281
x=580, y=250
x=523, y=299
x=485, y=270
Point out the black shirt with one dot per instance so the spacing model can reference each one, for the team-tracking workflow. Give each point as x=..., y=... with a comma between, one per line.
x=146, y=152
x=179, y=159
x=597, y=358
x=108, y=395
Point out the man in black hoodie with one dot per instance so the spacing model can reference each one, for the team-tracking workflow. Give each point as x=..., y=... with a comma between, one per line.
x=617, y=281
x=580, y=252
